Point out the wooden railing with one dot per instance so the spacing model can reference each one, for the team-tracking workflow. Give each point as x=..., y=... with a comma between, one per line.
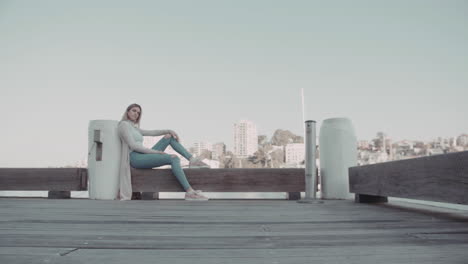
x=61, y=181
x=58, y=181
x=439, y=178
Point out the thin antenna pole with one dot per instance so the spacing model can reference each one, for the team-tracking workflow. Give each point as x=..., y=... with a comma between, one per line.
x=303, y=109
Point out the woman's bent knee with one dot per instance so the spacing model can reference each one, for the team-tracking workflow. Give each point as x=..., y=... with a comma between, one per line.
x=167, y=136
x=175, y=159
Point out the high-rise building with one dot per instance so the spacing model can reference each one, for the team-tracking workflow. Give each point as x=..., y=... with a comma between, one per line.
x=245, y=138
x=200, y=146
x=294, y=152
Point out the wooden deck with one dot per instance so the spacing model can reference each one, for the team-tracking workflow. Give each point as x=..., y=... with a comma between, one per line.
x=226, y=231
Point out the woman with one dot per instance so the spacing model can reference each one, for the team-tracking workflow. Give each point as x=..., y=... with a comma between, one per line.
x=140, y=157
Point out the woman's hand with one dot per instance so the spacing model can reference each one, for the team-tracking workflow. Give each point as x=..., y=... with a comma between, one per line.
x=174, y=135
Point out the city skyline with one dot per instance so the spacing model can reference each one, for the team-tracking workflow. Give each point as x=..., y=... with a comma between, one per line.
x=292, y=150
x=198, y=67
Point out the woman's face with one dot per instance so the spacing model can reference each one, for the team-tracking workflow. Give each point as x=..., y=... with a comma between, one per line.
x=134, y=113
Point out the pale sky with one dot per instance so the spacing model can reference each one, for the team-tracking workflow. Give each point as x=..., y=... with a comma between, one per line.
x=199, y=66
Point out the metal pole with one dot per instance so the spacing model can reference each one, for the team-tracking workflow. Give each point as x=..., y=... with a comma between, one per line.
x=310, y=167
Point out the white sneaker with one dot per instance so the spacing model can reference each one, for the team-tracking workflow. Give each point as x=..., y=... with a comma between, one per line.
x=197, y=163
x=195, y=196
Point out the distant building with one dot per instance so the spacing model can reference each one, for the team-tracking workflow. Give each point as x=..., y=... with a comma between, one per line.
x=382, y=149
x=200, y=146
x=405, y=144
x=368, y=157
x=83, y=163
x=213, y=164
x=363, y=144
x=389, y=148
x=459, y=148
x=462, y=140
x=436, y=151
x=453, y=142
x=245, y=138
x=219, y=149
x=295, y=152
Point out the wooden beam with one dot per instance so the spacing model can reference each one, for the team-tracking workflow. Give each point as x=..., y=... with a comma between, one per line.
x=83, y=172
x=59, y=195
x=221, y=180
x=136, y=196
x=294, y=195
x=440, y=178
x=159, y=180
x=43, y=179
x=149, y=196
x=364, y=198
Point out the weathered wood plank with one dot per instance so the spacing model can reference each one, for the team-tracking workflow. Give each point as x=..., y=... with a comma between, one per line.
x=258, y=231
x=43, y=179
x=343, y=255
x=221, y=180
x=95, y=231
x=129, y=241
x=441, y=178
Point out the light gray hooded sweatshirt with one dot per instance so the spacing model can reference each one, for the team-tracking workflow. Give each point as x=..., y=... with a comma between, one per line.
x=128, y=131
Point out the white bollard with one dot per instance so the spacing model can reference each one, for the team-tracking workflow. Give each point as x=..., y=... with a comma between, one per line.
x=338, y=152
x=104, y=149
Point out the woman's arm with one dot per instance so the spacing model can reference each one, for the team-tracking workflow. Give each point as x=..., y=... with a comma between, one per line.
x=154, y=132
x=159, y=133
x=124, y=133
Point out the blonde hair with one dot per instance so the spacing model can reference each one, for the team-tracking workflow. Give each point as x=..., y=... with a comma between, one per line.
x=125, y=115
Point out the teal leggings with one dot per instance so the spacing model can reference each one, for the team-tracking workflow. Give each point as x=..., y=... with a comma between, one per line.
x=148, y=161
